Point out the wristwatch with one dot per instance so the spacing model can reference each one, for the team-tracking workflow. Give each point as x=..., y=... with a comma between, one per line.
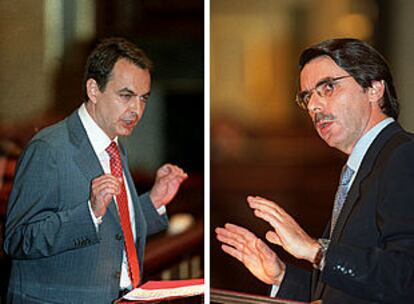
x=319, y=261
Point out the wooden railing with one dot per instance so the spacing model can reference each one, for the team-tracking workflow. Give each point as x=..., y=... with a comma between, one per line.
x=175, y=256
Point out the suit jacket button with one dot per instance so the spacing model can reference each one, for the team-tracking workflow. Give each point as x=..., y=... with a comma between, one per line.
x=118, y=274
x=118, y=236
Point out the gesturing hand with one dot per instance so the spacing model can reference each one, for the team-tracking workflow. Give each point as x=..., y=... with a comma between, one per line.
x=167, y=182
x=287, y=233
x=256, y=256
x=104, y=188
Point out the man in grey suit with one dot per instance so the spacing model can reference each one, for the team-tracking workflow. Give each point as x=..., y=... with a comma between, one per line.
x=64, y=231
x=366, y=254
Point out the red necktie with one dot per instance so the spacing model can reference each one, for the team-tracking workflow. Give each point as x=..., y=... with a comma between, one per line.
x=122, y=201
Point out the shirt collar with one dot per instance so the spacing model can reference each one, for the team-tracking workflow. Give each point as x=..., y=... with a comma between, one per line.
x=98, y=138
x=362, y=145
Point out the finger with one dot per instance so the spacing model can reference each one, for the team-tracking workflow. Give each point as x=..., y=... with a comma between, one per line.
x=231, y=241
x=174, y=181
x=175, y=174
x=227, y=235
x=226, y=232
x=273, y=237
x=266, y=206
x=233, y=252
x=245, y=233
x=256, y=198
x=165, y=169
x=237, y=241
x=168, y=169
x=166, y=179
x=105, y=195
x=269, y=212
x=110, y=184
x=176, y=171
x=105, y=179
x=272, y=220
x=99, y=189
x=260, y=201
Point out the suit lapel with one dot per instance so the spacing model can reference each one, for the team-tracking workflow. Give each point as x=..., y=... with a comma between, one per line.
x=84, y=155
x=365, y=168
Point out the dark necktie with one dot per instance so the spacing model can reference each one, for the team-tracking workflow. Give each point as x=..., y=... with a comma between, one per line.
x=122, y=201
x=341, y=193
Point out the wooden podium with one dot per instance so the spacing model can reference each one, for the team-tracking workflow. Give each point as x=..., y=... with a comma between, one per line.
x=219, y=296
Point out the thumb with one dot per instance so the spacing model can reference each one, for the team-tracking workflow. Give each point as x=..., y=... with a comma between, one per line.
x=272, y=237
x=164, y=170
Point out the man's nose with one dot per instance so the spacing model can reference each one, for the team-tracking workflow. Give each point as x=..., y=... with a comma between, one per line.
x=136, y=105
x=316, y=103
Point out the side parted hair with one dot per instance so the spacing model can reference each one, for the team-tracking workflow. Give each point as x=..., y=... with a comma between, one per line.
x=362, y=62
x=102, y=59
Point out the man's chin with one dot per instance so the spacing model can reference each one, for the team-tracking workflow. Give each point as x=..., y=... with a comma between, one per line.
x=336, y=144
x=327, y=138
x=125, y=131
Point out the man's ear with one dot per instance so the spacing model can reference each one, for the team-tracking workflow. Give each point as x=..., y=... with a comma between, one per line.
x=92, y=90
x=376, y=91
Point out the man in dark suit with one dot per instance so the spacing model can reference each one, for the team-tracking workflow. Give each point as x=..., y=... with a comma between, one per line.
x=76, y=227
x=366, y=254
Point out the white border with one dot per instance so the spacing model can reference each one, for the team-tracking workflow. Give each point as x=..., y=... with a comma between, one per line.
x=207, y=150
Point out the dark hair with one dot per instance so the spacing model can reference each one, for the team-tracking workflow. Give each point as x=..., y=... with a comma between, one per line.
x=362, y=62
x=102, y=59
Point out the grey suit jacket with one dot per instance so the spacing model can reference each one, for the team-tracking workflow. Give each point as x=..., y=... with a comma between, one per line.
x=371, y=255
x=57, y=254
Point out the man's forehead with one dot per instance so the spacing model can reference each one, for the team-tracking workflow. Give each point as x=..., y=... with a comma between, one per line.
x=123, y=65
x=317, y=69
x=127, y=74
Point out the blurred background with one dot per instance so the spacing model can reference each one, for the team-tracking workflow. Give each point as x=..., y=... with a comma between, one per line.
x=43, y=49
x=261, y=142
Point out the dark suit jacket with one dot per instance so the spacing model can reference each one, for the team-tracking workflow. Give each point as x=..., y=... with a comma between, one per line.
x=371, y=255
x=57, y=254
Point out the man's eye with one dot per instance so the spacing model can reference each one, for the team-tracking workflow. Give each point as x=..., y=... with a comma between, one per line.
x=126, y=96
x=143, y=98
x=328, y=88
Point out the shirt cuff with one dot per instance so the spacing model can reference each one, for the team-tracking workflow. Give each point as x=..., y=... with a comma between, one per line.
x=319, y=262
x=274, y=291
x=96, y=220
x=162, y=210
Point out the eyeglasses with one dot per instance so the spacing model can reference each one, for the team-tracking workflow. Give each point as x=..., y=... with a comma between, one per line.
x=323, y=88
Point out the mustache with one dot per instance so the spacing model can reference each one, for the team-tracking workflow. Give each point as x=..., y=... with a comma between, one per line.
x=322, y=117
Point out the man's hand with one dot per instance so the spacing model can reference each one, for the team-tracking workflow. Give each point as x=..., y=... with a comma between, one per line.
x=167, y=182
x=287, y=233
x=104, y=188
x=258, y=258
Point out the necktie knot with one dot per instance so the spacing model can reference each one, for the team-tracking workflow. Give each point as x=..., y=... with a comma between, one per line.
x=112, y=150
x=115, y=159
x=346, y=175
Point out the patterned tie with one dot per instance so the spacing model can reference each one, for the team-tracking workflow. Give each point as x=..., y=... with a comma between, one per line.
x=122, y=201
x=341, y=194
